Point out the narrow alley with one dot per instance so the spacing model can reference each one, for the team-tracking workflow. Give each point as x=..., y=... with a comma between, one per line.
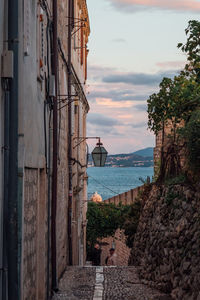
x=105, y=283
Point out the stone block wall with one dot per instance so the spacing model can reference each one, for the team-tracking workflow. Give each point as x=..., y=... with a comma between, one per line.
x=119, y=243
x=34, y=268
x=167, y=243
x=165, y=142
x=62, y=187
x=31, y=190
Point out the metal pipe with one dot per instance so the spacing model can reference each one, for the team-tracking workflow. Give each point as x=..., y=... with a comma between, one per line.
x=12, y=219
x=70, y=25
x=55, y=150
x=6, y=189
x=48, y=205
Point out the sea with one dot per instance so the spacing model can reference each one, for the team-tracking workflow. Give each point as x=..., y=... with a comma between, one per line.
x=109, y=182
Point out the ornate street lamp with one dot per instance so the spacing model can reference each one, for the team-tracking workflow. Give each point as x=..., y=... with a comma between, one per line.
x=99, y=155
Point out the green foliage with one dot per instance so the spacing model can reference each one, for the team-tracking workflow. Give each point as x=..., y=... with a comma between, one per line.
x=159, y=106
x=192, y=134
x=176, y=180
x=192, y=47
x=176, y=102
x=178, y=98
x=103, y=220
x=131, y=222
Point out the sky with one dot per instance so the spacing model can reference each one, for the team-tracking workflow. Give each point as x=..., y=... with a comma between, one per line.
x=132, y=46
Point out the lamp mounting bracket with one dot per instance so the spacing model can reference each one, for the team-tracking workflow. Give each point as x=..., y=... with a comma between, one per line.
x=82, y=139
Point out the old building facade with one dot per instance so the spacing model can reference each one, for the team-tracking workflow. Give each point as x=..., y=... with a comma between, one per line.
x=43, y=107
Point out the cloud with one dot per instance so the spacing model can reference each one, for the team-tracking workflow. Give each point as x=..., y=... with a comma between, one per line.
x=96, y=72
x=101, y=120
x=139, y=125
x=141, y=107
x=118, y=106
x=139, y=78
x=117, y=95
x=119, y=40
x=171, y=64
x=171, y=5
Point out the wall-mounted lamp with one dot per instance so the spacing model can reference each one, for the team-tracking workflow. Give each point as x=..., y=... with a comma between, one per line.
x=99, y=154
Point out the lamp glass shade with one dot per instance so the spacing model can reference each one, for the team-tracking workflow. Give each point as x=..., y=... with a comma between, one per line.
x=99, y=155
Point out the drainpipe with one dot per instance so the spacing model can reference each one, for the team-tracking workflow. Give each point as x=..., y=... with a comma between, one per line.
x=12, y=222
x=6, y=190
x=55, y=151
x=49, y=209
x=70, y=9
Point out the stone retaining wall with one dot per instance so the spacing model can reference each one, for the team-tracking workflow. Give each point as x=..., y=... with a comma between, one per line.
x=167, y=242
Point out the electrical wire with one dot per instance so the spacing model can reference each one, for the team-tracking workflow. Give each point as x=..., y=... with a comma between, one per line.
x=103, y=185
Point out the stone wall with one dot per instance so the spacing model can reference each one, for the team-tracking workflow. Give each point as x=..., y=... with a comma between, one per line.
x=119, y=243
x=119, y=240
x=167, y=243
x=126, y=198
x=164, y=140
x=35, y=234
x=30, y=234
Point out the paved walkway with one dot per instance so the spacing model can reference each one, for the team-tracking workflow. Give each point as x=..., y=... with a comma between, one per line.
x=105, y=283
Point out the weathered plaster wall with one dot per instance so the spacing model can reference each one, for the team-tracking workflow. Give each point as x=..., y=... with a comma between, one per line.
x=167, y=244
x=31, y=89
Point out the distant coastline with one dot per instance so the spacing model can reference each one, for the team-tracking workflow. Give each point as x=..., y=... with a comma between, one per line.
x=109, y=182
x=140, y=158
x=115, y=166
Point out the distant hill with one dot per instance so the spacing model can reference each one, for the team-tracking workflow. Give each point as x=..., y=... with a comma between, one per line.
x=136, y=159
x=145, y=152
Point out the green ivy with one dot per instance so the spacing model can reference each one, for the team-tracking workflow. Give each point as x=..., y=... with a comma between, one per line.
x=104, y=219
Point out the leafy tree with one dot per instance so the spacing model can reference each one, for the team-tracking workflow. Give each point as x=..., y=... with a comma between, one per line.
x=192, y=48
x=176, y=101
x=159, y=106
x=103, y=220
x=192, y=134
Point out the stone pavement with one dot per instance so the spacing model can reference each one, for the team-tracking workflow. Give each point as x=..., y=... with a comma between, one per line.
x=105, y=283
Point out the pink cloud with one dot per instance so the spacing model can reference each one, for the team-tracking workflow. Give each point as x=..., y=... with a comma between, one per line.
x=168, y=65
x=176, y=5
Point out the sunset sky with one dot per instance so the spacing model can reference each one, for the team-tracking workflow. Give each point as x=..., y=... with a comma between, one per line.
x=133, y=45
